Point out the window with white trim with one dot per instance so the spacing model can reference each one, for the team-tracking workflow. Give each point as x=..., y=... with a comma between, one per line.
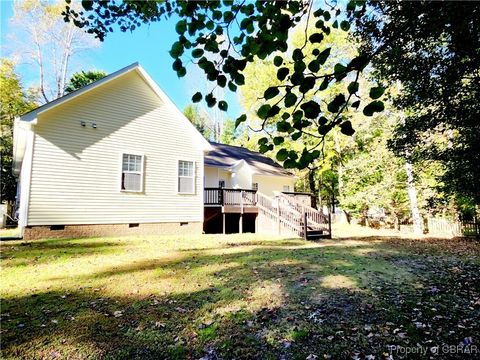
x=255, y=186
x=132, y=172
x=186, y=177
x=221, y=183
x=286, y=188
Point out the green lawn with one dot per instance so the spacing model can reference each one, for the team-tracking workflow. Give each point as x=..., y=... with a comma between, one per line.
x=236, y=297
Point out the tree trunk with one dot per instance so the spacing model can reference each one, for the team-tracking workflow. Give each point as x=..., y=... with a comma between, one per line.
x=412, y=195
x=313, y=188
x=339, y=167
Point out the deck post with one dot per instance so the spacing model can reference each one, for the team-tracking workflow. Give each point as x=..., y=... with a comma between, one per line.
x=305, y=227
x=223, y=222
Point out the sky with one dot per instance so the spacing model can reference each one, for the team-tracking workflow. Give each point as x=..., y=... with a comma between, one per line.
x=148, y=45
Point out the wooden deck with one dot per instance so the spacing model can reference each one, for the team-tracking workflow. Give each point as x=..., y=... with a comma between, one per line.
x=238, y=208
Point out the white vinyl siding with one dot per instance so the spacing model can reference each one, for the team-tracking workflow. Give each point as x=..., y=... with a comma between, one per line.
x=76, y=171
x=271, y=184
x=186, y=177
x=132, y=172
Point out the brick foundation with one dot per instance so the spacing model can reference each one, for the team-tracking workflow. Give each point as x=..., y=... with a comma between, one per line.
x=77, y=231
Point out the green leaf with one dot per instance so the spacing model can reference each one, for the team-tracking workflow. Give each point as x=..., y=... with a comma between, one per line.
x=290, y=99
x=242, y=118
x=221, y=81
x=181, y=27
x=359, y=62
x=346, y=128
x=210, y=99
x=222, y=105
x=277, y=61
x=263, y=141
x=296, y=136
x=315, y=38
x=311, y=109
x=274, y=110
x=297, y=115
x=323, y=56
x=277, y=140
x=345, y=25
x=336, y=103
x=176, y=50
x=324, y=84
x=197, y=97
x=232, y=86
x=196, y=53
x=181, y=72
x=177, y=65
x=335, y=24
x=283, y=126
x=340, y=71
x=356, y=104
x=289, y=164
x=351, y=5
x=326, y=15
x=353, y=87
x=240, y=79
x=245, y=23
x=271, y=92
x=282, y=73
x=314, y=66
x=263, y=148
x=376, y=92
x=227, y=16
x=297, y=55
x=299, y=67
x=324, y=129
x=373, y=107
x=263, y=111
x=307, y=84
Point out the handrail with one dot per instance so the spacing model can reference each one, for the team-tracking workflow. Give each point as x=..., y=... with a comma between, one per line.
x=315, y=217
x=283, y=214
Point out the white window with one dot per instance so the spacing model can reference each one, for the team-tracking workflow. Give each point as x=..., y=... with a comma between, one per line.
x=255, y=186
x=286, y=188
x=132, y=173
x=221, y=184
x=186, y=177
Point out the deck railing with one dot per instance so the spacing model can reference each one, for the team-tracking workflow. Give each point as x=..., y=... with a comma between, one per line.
x=230, y=197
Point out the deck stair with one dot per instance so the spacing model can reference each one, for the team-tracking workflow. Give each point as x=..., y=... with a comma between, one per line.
x=294, y=217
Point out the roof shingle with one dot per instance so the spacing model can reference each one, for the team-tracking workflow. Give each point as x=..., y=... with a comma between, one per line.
x=225, y=156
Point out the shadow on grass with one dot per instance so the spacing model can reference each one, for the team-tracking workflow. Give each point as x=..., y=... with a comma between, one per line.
x=43, y=251
x=272, y=299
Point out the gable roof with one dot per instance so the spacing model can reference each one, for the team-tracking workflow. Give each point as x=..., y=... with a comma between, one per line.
x=32, y=116
x=227, y=156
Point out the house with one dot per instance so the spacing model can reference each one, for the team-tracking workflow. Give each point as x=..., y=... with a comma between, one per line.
x=236, y=167
x=118, y=157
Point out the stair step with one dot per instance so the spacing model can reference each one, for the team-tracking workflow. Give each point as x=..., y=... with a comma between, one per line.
x=318, y=234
